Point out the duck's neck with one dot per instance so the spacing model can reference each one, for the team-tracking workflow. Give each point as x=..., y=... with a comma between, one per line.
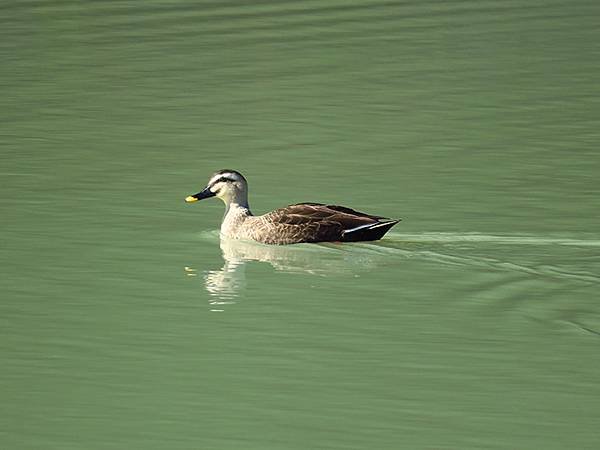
x=235, y=215
x=237, y=211
x=237, y=208
x=236, y=201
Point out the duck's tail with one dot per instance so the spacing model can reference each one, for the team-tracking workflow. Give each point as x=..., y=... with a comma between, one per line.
x=369, y=232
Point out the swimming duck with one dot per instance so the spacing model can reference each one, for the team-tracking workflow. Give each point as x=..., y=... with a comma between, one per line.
x=301, y=222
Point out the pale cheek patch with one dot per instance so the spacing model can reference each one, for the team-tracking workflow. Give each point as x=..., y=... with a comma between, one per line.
x=217, y=189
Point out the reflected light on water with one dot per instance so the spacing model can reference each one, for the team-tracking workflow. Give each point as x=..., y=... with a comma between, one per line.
x=225, y=285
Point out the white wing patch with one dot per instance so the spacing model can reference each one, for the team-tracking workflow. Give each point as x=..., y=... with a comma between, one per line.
x=360, y=227
x=369, y=226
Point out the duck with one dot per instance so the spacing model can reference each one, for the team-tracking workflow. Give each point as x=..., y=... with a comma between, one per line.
x=293, y=224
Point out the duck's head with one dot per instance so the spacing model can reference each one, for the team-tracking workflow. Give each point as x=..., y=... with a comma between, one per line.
x=228, y=185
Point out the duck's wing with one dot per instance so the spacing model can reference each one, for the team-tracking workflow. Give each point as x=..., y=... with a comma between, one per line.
x=283, y=226
x=322, y=208
x=317, y=222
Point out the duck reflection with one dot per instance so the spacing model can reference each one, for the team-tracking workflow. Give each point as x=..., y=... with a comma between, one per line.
x=226, y=284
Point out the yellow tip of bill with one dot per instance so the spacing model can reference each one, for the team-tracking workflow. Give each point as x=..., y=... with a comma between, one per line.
x=190, y=199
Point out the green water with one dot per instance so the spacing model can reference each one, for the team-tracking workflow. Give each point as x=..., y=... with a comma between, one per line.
x=126, y=324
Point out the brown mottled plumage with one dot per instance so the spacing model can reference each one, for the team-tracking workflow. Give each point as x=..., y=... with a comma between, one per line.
x=301, y=222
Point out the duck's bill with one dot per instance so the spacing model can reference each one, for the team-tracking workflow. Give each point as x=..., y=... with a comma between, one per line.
x=206, y=193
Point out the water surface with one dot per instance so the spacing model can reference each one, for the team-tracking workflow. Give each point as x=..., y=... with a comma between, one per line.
x=126, y=323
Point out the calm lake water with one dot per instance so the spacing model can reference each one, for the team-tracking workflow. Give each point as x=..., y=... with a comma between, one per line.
x=126, y=324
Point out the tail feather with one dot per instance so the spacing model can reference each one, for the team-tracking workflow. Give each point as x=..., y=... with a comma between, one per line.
x=370, y=232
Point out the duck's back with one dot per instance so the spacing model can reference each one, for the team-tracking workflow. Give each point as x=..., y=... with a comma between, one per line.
x=316, y=222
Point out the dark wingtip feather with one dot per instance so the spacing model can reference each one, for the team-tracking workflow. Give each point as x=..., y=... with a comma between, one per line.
x=372, y=233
